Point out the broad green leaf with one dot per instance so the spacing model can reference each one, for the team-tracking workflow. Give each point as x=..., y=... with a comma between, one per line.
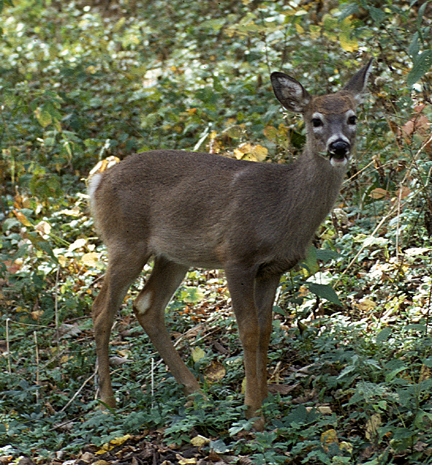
x=326, y=254
x=383, y=335
x=414, y=46
x=325, y=291
x=421, y=66
x=348, y=11
x=377, y=14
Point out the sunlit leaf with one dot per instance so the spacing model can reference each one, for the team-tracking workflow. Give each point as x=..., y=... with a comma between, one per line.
x=197, y=354
x=90, y=259
x=22, y=218
x=215, y=372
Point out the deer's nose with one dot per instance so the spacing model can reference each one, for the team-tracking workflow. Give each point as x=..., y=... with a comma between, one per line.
x=339, y=148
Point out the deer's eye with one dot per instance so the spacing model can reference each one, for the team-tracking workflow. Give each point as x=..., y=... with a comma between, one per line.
x=352, y=119
x=316, y=122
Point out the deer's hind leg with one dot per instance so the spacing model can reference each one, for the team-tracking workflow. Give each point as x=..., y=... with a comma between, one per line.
x=150, y=307
x=124, y=266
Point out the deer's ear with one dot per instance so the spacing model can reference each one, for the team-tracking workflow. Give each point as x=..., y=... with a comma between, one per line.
x=290, y=92
x=357, y=83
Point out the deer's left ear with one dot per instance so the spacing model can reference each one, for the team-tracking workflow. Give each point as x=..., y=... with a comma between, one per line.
x=357, y=83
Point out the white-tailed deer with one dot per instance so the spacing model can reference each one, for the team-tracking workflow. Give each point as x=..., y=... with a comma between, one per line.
x=254, y=220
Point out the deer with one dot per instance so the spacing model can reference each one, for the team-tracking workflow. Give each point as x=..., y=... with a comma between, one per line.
x=254, y=220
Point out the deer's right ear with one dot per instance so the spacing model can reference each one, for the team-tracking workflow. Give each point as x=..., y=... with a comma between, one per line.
x=289, y=92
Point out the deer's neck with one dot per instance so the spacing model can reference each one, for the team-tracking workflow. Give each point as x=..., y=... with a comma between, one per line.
x=316, y=184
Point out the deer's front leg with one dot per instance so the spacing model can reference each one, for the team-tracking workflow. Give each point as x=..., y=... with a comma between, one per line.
x=241, y=287
x=265, y=290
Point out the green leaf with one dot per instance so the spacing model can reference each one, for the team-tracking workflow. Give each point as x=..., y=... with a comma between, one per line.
x=43, y=117
x=421, y=13
x=326, y=254
x=383, y=335
x=414, y=46
x=421, y=66
x=325, y=291
x=348, y=11
x=377, y=14
x=310, y=262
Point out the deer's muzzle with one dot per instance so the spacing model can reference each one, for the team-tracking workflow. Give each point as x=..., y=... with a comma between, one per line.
x=339, y=149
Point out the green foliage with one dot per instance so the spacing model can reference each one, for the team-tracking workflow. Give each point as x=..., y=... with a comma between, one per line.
x=80, y=82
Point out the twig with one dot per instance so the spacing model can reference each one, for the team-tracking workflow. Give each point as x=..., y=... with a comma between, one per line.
x=79, y=391
x=37, y=365
x=8, y=346
x=365, y=244
x=56, y=306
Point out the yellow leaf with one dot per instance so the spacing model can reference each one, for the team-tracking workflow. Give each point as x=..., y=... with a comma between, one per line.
x=121, y=440
x=346, y=446
x=22, y=218
x=238, y=154
x=215, y=372
x=372, y=426
x=36, y=314
x=303, y=291
x=299, y=28
x=90, y=259
x=197, y=354
x=77, y=244
x=243, y=386
x=187, y=461
x=75, y=211
x=348, y=43
x=328, y=437
x=110, y=445
x=259, y=152
x=199, y=441
x=325, y=409
x=425, y=373
x=247, y=151
x=365, y=305
x=62, y=260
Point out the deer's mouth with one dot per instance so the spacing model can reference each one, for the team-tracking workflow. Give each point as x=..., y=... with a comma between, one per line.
x=339, y=152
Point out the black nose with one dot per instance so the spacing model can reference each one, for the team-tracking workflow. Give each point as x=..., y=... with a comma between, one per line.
x=339, y=148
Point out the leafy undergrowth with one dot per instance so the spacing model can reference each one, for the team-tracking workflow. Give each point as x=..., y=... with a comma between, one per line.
x=350, y=359
x=351, y=387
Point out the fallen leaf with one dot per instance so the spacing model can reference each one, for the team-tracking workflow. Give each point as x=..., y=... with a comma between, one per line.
x=379, y=193
x=215, y=372
x=43, y=228
x=77, y=244
x=197, y=354
x=372, y=426
x=90, y=259
x=199, y=441
x=328, y=437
